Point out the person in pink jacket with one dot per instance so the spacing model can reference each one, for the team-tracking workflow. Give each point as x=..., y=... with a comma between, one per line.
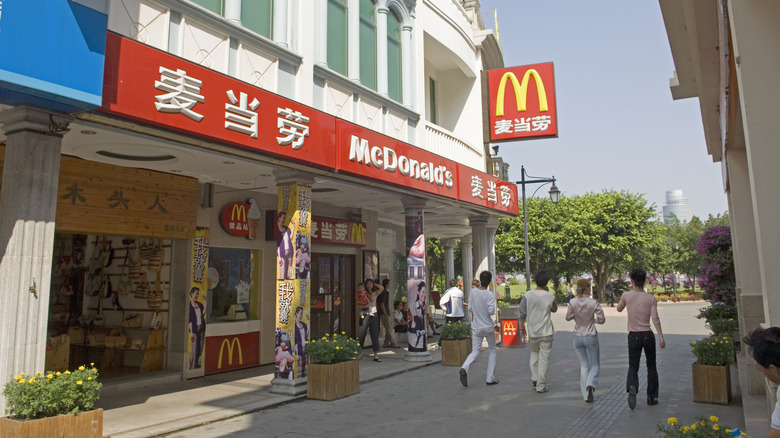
x=586, y=313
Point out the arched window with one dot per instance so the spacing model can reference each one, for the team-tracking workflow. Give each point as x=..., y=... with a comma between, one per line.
x=258, y=16
x=368, y=44
x=337, y=36
x=394, y=61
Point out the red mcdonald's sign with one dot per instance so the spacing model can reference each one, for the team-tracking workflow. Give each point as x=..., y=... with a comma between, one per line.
x=522, y=102
x=231, y=352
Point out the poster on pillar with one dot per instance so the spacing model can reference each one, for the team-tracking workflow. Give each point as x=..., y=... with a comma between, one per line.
x=293, y=260
x=199, y=284
x=416, y=289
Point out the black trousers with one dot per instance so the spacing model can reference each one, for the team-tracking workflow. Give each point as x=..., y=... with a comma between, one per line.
x=638, y=341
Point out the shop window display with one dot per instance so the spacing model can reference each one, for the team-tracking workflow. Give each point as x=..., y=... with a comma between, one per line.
x=232, y=280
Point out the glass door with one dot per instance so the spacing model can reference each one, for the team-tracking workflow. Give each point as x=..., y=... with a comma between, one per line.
x=331, y=291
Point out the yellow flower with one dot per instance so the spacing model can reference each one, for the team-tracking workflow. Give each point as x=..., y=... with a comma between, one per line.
x=31, y=380
x=715, y=427
x=57, y=374
x=92, y=364
x=684, y=429
x=672, y=421
x=39, y=373
x=89, y=378
x=728, y=430
x=337, y=347
x=693, y=426
x=67, y=372
x=702, y=423
x=343, y=333
x=714, y=419
x=81, y=368
x=21, y=374
x=79, y=382
x=50, y=376
x=94, y=370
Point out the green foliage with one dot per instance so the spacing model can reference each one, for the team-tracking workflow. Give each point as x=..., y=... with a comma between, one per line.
x=434, y=253
x=718, y=311
x=701, y=428
x=512, y=281
x=722, y=327
x=454, y=331
x=52, y=393
x=332, y=349
x=713, y=350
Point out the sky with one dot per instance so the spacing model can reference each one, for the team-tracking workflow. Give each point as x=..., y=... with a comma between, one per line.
x=618, y=126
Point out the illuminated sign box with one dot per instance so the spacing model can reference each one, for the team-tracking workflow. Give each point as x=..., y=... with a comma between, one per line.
x=521, y=103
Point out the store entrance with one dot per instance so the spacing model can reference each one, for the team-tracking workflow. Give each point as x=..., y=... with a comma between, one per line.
x=331, y=288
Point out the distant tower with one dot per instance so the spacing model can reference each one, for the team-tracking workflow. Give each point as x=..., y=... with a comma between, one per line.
x=677, y=205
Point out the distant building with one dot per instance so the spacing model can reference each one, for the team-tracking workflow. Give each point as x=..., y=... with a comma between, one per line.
x=677, y=205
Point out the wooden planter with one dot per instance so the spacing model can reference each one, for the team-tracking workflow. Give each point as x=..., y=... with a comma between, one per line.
x=82, y=425
x=711, y=383
x=454, y=353
x=331, y=382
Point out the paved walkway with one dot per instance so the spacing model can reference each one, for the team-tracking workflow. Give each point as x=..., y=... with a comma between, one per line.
x=399, y=397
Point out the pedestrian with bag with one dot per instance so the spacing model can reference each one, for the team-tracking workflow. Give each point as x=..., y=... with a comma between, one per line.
x=535, y=309
x=482, y=303
x=370, y=321
x=642, y=307
x=586, y=313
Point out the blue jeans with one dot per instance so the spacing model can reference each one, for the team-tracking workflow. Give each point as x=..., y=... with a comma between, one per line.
x=587, y=348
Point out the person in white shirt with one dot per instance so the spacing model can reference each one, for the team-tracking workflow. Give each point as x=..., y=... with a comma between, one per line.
x=482, y=304
x=765, y=349
x=535, y=307
x=453, y=302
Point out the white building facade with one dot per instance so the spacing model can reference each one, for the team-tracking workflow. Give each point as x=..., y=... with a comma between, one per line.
x=677, y=206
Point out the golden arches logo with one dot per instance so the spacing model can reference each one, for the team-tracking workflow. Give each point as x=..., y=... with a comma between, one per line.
x=509, y=326
x=521, y=91
x=238, y=212
x=230, y=344
x=357, y=234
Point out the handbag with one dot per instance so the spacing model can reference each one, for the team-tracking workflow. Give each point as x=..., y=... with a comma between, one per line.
x=131, y=320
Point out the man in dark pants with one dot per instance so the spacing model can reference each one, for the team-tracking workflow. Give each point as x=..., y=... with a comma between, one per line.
x=641, y=306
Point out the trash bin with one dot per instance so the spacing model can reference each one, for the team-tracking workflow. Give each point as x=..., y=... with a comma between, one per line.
x=508, y=318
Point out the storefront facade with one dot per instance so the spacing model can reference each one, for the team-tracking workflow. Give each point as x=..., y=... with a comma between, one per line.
x=274, y=182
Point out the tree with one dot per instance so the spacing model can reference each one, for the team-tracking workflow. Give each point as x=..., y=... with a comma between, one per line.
x=683, y=238
x=434, y=254
x=718, y=278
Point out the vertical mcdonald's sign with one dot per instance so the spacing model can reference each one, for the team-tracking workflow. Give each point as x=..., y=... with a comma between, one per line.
x=521, y=102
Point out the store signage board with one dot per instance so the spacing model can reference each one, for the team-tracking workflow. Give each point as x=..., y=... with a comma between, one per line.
x=369, y=154
x=325, y=230
x=521, y=103
x=152, y=86
x=485, y=190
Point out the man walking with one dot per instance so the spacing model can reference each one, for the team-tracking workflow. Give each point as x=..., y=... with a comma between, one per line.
x=452, y=301
x=482, y=304
x=535, y=308
x=383, y=308
x=641, y=306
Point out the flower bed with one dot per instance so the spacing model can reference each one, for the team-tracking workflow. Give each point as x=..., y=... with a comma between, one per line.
x=701, y=428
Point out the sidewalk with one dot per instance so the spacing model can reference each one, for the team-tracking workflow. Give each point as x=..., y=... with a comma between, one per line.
x=432, y=400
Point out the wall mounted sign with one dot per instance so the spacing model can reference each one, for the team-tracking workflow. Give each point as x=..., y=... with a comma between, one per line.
x=241, y=219
x=521, y=102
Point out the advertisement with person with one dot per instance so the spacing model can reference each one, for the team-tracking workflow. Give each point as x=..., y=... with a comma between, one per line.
x=416, y=289
x=199, y=283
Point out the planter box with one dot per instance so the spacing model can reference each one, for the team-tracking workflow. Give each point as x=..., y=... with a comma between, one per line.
x=331, y=382
x=454, y=353
x=711, y=383
x=83, y=425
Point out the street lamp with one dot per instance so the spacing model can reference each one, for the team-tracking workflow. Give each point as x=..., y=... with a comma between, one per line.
x=554, y=197
x=674, y=273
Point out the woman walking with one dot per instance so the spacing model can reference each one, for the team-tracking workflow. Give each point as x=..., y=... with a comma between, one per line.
x=586, y=313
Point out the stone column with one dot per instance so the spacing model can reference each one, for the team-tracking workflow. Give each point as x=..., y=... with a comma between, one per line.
x=449, y=260
x=468, y=270
x=353, y=41
x=233, y=11
x=28, y=207
x=280, y=22
x=479, y=232
x=417, y=286
x=406, y=66
x=321, y=43
x=381, y=50
x=292, y=227
x=490, y=230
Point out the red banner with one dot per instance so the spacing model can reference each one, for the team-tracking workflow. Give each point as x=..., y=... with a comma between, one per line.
x=152, y=86
x=521, y=104
x=486, y=190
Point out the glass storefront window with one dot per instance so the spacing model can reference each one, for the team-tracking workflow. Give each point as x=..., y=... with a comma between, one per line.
x=232, y=280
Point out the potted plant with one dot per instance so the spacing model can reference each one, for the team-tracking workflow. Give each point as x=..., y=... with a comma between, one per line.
x=702, y=427
x=711, y=372
x=333, y=370
x=455, y=343
x=61, y=401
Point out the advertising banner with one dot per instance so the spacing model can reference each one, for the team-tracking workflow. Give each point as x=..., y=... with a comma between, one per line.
x=232, y=352
x=196, y=322
x=485, y=190
x=416, y=287
x=521, y=102
x=293, y=257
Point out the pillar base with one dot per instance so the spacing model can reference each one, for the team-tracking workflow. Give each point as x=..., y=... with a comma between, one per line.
x=288, y=387
x=418, y=356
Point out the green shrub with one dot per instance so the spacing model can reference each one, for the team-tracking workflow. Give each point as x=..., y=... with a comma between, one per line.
x=52, y=393
x=713, y=351
x=722, y=327
x=332, y=349
x=718, y=311
x=454, y=331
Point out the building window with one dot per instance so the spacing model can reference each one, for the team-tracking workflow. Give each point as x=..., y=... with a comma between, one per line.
x=432, y=100
x=368, y=44
x=337, y=36
x=258, y=16
x=215, y=6
x=394, y=60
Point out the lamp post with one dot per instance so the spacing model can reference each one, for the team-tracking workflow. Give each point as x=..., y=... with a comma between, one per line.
x=674, y=273
x=554, y=197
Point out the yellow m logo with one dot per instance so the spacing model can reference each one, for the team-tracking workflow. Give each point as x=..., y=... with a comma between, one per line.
x=357, y=234
x=238, y=211
x=230, y=344
x=521, y=91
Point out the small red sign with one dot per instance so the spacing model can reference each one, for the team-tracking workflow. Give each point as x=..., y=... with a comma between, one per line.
x=521, y=103
x=231, y=352
x=509, y=332
x=485, y=190
x=240, y=219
